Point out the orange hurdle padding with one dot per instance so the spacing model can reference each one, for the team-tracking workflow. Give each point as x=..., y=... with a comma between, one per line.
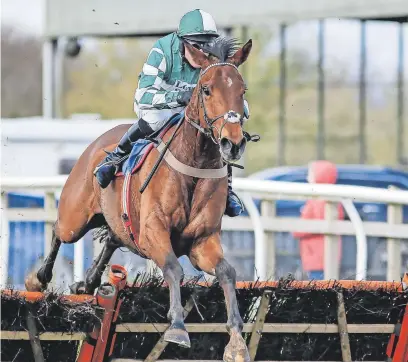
x=328, y=284
x=37, y=296
x=397, y=348
x=117, y=276
x=405, y=279
x=401, y=349
x=99, y=342
x=391, y=346
x=312, y=284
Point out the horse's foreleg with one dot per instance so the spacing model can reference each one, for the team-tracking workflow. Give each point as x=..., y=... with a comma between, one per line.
x=227, y=278
x=173, y=275
x=160, y=251
x=38, y=281
x=208, y=256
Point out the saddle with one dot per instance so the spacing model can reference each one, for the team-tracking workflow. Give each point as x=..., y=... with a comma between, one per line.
x=142, y=147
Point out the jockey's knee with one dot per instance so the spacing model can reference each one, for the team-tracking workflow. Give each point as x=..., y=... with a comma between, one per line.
x=155, y=119
x=157, y=123
x=145, y=127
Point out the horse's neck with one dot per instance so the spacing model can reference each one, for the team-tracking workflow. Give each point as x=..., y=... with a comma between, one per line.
x=194, y=149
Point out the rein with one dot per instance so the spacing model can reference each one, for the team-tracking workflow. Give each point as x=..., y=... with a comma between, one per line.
x=163, y=147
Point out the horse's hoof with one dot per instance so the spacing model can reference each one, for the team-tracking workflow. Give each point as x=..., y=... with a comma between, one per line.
x=178, y=336
x=32, y=283
x=78, y=288
x=236, y=356
x=236, y=350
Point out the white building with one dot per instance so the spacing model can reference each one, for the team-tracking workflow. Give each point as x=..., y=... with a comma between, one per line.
x=38, y=147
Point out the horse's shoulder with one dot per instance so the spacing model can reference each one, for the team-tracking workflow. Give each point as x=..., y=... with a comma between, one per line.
x=120, y=129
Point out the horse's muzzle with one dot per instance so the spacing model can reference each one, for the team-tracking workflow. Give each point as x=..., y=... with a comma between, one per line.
x=232, y=151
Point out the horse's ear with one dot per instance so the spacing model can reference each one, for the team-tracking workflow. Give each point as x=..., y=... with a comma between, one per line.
x=241, y=55
x=198, y=56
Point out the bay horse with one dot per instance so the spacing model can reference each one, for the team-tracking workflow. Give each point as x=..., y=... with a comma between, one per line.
x=177, y=214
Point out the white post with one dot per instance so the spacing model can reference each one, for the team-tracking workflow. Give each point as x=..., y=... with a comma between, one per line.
x=331, y=246
x=5, y=239
x=48, y=69
x=268, y=209
x=261, y=256
x=58, y=80
x=361, y=239
x=79, y=253
x=50, y=208
x=394, y=216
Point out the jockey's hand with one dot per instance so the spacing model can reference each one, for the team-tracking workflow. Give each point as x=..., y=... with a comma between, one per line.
x=184, y=97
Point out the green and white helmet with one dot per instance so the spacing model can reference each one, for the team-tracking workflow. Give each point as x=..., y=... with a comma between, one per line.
x=197, y=26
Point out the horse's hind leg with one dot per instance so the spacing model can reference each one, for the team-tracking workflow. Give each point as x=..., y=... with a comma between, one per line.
x=38, y=281
x=93, y=275
x=208, y=256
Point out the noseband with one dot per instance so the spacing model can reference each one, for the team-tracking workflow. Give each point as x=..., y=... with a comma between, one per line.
x=229, y=117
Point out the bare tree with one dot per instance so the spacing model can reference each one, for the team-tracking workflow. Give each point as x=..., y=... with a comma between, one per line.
x=21, y=70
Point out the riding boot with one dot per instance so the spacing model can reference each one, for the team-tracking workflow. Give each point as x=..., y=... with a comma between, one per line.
x=234, y=205
x=107, y=169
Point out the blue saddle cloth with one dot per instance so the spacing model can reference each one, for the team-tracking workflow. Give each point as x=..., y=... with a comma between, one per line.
x=142, y=147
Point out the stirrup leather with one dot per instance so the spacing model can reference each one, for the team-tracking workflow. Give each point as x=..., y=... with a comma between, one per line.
x=113, y=162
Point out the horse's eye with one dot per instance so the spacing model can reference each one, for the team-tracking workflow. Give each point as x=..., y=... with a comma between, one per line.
x=206, y=91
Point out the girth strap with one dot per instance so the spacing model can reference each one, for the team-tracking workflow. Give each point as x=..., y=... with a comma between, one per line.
x=126, y=213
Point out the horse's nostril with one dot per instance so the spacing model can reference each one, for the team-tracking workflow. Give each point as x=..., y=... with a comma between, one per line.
x=242, y=144
x=231, y=149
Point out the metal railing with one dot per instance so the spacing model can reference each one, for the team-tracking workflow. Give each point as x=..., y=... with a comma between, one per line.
x=264, y=223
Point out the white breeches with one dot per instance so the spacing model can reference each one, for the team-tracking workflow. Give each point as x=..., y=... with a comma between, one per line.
x=158, y=117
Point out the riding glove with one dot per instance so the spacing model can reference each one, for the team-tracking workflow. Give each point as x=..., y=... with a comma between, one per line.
x=184, y=97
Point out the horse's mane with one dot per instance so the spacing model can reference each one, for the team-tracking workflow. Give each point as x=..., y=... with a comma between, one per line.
x=222, y=48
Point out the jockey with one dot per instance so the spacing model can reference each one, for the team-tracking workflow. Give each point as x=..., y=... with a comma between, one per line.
x=165, y=87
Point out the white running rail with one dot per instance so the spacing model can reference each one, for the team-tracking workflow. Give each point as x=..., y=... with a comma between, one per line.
x=263, y=223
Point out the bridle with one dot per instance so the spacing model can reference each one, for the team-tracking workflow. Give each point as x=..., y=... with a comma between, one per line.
x=229, y=117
